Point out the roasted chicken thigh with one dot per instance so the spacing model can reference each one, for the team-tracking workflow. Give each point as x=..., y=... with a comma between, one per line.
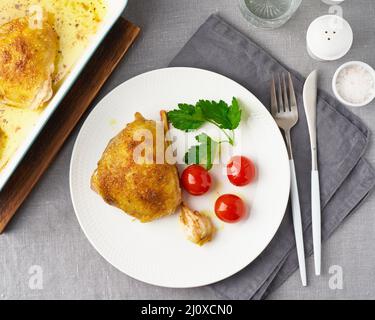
x=27, y=63
x=146, y=191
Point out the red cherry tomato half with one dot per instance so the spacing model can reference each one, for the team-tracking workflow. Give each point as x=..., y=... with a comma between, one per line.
x=240, y=171
x=230, y=208
x=196, y=180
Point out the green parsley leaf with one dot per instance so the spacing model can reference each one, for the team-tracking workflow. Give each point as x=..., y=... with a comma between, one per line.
x=216, y=112
x=202, y=154
x=234, y=114
x=222, y=115
x=191, y=117
x=187, y=117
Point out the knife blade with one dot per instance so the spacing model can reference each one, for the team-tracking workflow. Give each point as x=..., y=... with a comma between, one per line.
x=310, y=92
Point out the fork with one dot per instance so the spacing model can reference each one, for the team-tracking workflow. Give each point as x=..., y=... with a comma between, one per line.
x=285, y=112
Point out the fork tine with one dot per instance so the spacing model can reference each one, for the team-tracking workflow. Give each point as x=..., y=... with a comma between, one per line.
x=292, y=95
x=285, y=94
x=280, y=95
x=274, y=109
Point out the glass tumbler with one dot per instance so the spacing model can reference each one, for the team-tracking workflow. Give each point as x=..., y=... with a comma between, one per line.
x=268, y=14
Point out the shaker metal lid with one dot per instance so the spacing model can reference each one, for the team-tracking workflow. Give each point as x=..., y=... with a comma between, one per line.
x=329, y=38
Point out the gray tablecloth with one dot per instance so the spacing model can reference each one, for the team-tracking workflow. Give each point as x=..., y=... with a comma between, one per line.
x=46, y=233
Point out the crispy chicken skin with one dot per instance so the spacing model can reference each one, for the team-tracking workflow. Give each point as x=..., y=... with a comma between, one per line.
x=146, y=191
x=27, y=63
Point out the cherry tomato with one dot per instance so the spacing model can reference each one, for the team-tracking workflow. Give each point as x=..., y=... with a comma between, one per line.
x=230, y=208
x=196, y=180
x=240, y=171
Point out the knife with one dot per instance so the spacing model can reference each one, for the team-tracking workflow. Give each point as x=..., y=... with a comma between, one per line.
x=310, y=91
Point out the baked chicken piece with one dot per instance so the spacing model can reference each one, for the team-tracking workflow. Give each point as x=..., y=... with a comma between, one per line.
x=146, y=191
x=27, y=63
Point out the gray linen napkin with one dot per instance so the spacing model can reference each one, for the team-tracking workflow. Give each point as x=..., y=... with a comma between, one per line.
x=346, y=178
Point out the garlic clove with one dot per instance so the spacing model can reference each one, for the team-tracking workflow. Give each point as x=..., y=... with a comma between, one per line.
x=199, y=227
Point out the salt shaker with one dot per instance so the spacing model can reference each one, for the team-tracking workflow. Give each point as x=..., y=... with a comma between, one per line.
x=329, y=38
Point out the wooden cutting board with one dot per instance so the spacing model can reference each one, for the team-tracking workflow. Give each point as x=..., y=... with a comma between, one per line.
x=66, y=117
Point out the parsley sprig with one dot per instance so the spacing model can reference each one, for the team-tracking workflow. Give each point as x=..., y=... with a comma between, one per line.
x=191, y=117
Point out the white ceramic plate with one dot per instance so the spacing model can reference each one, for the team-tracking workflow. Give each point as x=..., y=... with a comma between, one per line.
x=115, y=8
x=158, y=252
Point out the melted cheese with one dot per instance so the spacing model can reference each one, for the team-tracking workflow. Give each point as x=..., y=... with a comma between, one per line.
x=3, y=141
x=75, y=21
x=16, y=123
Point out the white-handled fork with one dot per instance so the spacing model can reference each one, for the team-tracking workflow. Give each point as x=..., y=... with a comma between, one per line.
x=285, y=112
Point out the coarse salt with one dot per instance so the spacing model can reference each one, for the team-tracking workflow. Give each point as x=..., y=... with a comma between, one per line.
x=355, y=84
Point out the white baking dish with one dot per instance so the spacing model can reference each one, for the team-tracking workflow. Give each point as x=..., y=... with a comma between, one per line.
x=114, y=10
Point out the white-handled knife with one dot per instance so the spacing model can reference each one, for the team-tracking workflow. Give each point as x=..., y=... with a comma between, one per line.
x=310, y=91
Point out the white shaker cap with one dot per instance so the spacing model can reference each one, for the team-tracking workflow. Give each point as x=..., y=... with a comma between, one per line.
x=329, y=38
x=332, y=2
